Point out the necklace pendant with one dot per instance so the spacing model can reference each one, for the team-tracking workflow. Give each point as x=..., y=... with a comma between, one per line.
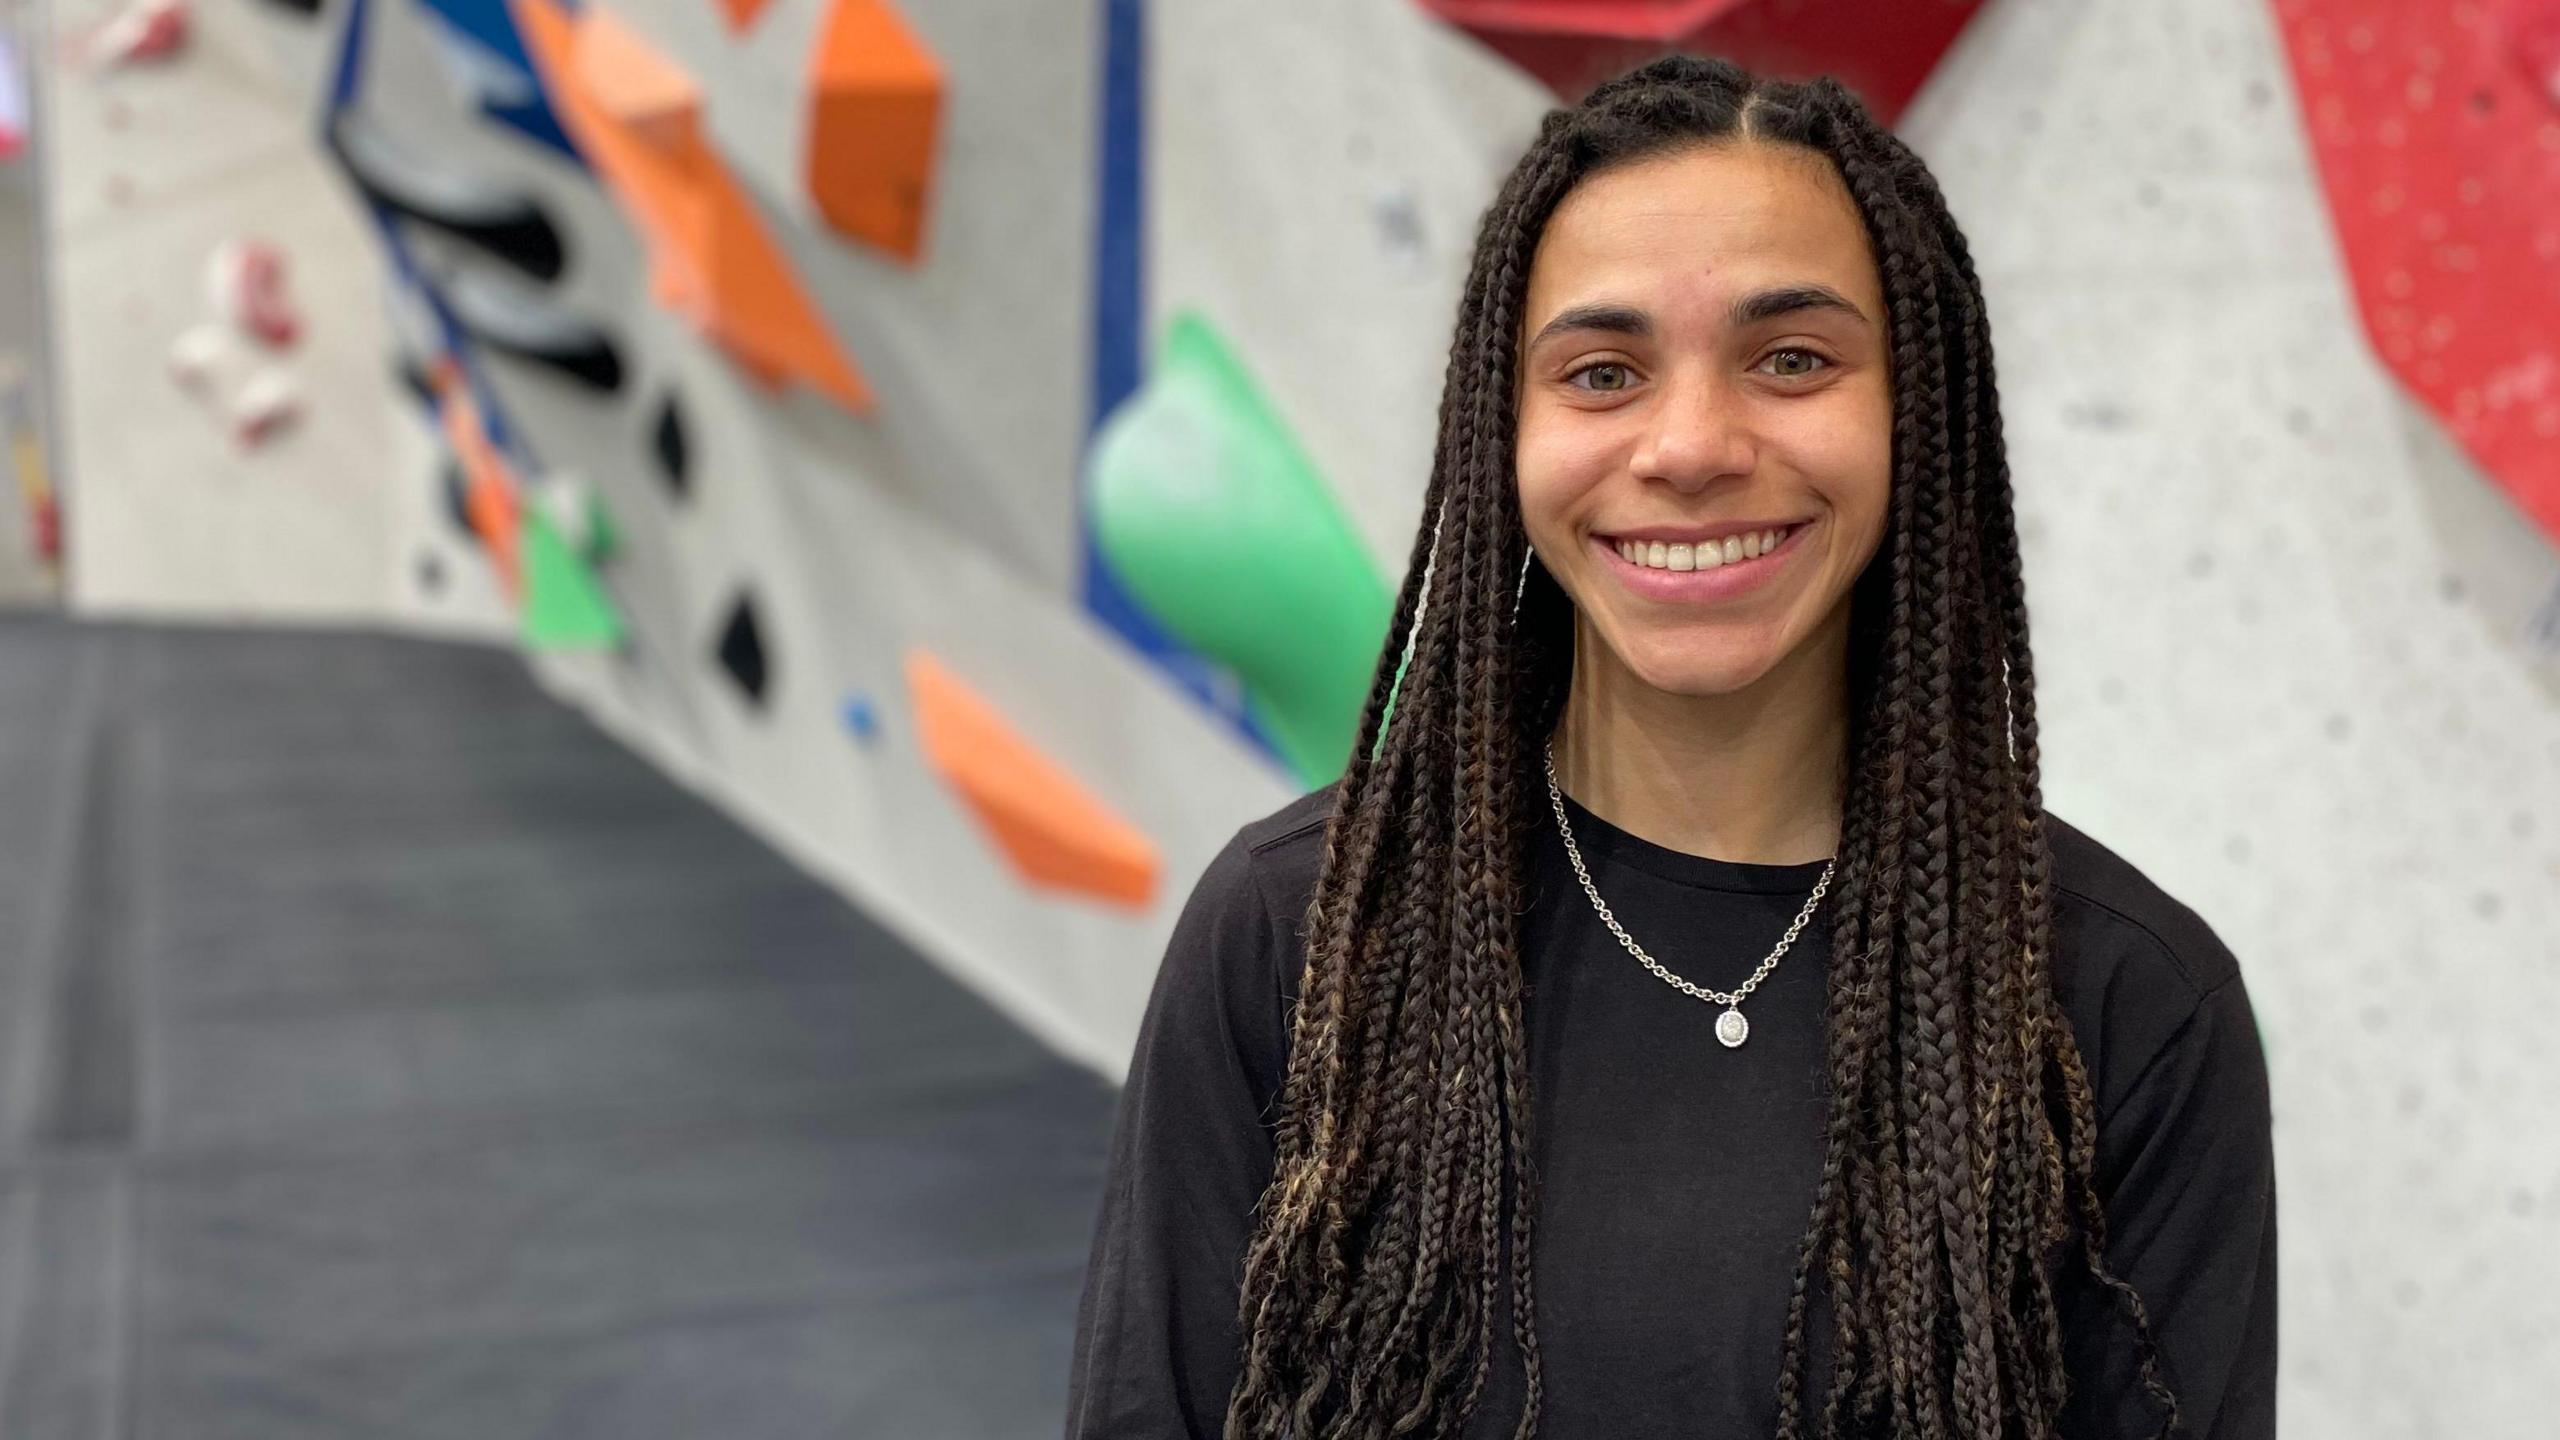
x=1732, y=1029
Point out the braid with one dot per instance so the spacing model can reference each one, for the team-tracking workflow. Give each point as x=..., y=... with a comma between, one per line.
x=1961, y=1138
x=1407, y=1086
x=1934, y=1069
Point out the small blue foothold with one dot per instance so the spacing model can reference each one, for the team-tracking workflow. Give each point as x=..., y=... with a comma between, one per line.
x=861, y=719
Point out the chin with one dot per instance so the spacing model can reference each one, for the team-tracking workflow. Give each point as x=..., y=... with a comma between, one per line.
x=1683, y=671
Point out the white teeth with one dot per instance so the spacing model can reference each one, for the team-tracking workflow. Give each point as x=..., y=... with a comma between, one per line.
x=1657, y=555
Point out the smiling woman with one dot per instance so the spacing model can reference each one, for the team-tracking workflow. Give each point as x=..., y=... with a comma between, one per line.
x=1729, y=294
x=1709, y=668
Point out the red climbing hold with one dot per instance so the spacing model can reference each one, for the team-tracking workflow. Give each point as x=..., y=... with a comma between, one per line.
x=2437, y=132
x=145, y=30
x=1882, y=49
x=246, y=279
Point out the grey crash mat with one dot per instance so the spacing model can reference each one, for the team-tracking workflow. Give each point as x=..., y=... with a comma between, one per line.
x=385, y=1052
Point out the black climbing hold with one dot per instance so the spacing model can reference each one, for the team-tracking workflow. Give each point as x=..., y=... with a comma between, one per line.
x=493, y=217
x=672, y=455
x=457, y=500
x=412, y=373
x=742, y=649
x=515, y=321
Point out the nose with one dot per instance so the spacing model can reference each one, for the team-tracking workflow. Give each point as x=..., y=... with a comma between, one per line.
x=1698, y=432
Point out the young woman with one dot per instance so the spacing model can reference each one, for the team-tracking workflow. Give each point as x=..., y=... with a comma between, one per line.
x=1687, y=920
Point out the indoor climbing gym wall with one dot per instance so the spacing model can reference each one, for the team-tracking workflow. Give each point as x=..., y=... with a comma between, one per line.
x=977, y=442
x=216, y=323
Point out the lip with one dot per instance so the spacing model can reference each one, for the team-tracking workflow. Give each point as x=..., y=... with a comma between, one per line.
x=1692, y=587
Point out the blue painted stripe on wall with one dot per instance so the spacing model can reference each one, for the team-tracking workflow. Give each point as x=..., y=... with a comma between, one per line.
x=489, y=24
x=1118, y=361
x=345, y=82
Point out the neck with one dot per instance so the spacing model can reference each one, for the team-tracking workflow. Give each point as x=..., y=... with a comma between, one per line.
x=1752, y=777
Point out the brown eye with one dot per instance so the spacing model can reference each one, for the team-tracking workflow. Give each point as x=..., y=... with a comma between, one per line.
x=1800, y=351
x=1615, y=376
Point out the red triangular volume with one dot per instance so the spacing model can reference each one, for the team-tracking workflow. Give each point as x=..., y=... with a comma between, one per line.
x=2437, y=130
x=1882, y=49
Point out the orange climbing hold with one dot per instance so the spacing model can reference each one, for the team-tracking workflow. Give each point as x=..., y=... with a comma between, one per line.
x=1054, y=831
x=742, y=14
x=640, y=90
x=636, y=117
x=489, y=493
x=875, y=102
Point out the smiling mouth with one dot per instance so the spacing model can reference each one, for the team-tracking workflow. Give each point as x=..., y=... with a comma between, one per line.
x=1680, y=556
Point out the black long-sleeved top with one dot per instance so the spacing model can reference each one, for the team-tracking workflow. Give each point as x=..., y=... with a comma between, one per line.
x=1677, y=1175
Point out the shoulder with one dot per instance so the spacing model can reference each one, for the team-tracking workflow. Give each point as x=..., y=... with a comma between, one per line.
x=1233, y=960
x=1281, y=852
x=2139, y=973
x=2108, y=893
x=1263, y=863
x=2136, y=969
x=1294, y=828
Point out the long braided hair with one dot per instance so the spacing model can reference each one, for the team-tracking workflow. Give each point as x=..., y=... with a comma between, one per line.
x=1961, y=1137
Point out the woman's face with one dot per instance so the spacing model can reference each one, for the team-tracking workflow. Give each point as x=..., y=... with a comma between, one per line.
x=1704, y=358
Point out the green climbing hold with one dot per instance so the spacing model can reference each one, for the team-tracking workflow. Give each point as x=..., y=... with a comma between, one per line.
x=1217, y=523
x=565, y=606
x=603, y=541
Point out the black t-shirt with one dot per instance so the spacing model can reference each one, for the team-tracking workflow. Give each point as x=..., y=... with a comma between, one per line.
x=1677, y=1175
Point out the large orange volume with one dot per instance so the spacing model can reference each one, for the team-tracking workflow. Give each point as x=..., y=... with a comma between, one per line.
x=875, y=101
x=1054, y=831
x=636, y=116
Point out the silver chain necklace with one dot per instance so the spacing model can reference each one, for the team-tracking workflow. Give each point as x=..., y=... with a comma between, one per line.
x=1731, y=1028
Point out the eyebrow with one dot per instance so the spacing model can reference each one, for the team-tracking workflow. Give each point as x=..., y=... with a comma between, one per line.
x=1751, y=309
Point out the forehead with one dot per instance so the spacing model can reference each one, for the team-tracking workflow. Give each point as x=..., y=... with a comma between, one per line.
x=1688, y=230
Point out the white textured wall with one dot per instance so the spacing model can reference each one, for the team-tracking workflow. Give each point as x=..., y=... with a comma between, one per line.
x=147, y=169
x=2280, y=639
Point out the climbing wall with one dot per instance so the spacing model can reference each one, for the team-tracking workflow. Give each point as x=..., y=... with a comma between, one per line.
x=977, y=442
x=942, y=490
